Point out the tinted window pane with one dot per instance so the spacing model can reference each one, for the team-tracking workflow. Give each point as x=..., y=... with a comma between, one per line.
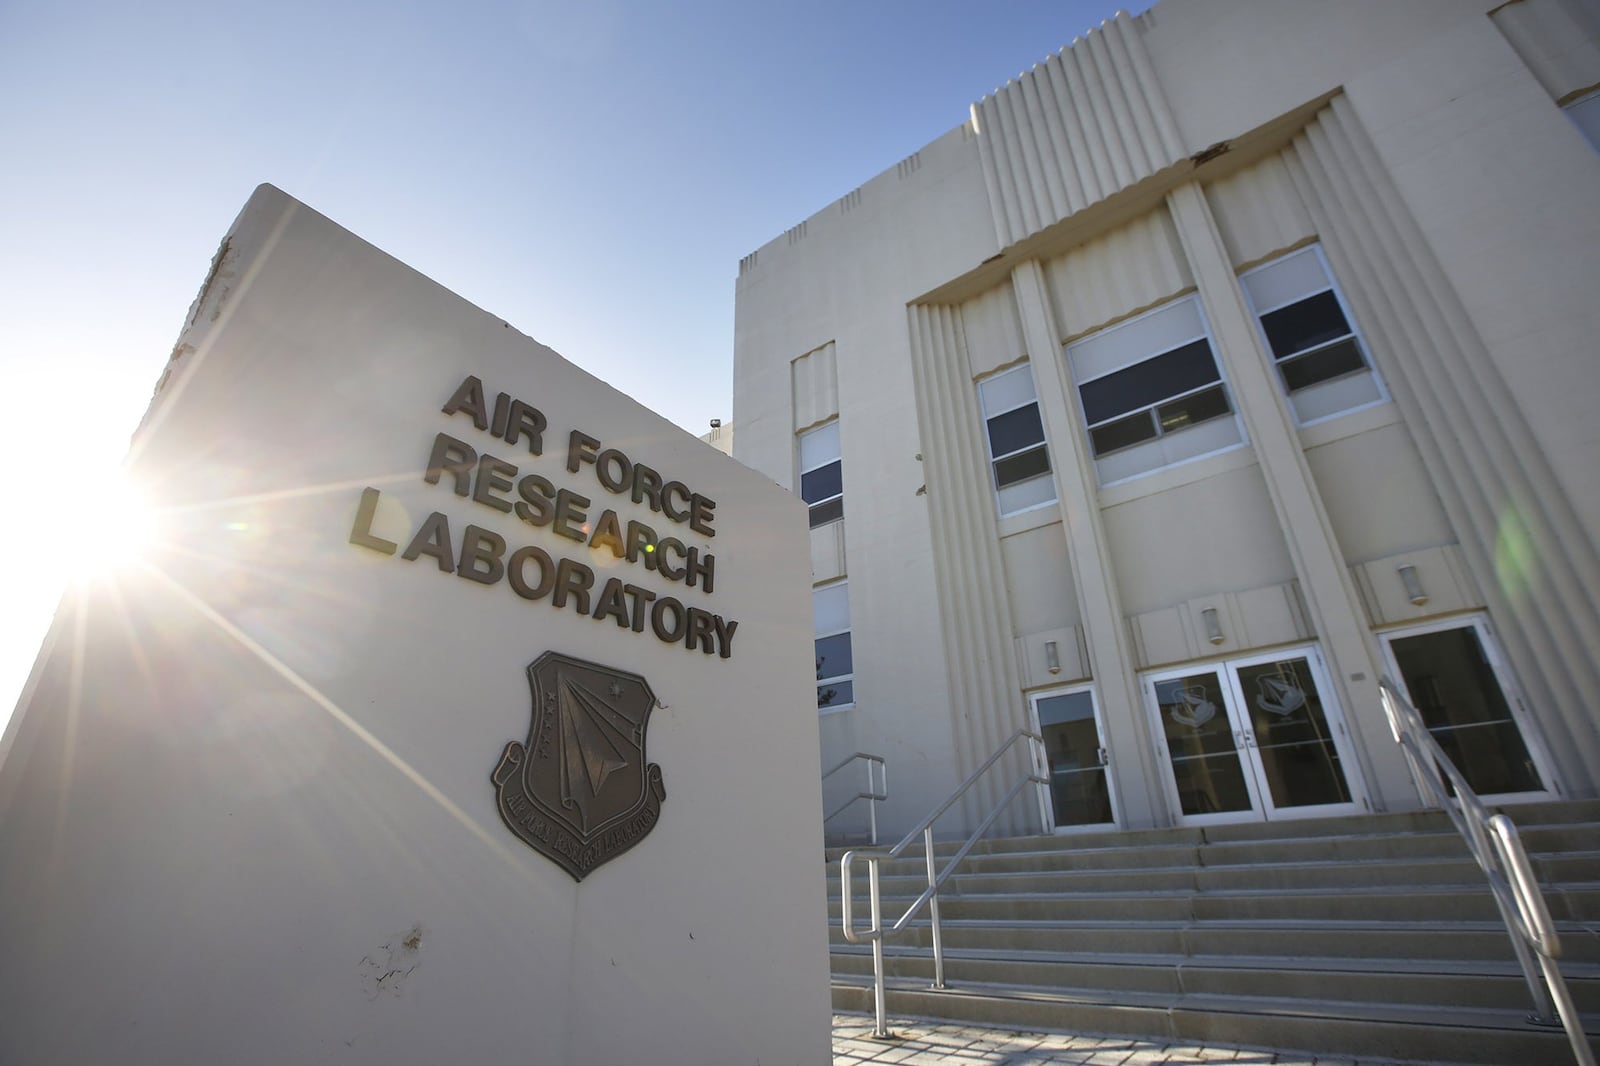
x=1451, y=683
x=1114, y=435
x=1015, y=429
x=1200, y=741
x=1329, y=363
x=1313, y=321
x=833, y=656
x=1293, y=741
x=836, y=694
x=1021, y=467
x=1150, y=382
x=821, y=483
x=823, y=513
x=1072, y=745
x=1193, y=410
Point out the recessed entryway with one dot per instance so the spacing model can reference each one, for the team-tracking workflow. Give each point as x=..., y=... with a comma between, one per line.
x=1253, y=738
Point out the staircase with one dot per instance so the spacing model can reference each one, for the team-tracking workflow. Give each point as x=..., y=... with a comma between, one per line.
x=1372, y=935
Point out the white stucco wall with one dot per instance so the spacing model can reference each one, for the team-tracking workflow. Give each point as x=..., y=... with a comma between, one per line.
x=246, y=813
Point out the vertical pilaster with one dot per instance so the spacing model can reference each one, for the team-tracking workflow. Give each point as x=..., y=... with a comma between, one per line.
x=1325, y=579
x=1134, y=773
x=980, y=661
x=1533, y=559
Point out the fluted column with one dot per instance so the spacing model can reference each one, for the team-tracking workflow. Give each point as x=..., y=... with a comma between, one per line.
x=1325, y=579
x=979, y=660
x=1532, y=559
x=1081, y=125
x=1134, y=773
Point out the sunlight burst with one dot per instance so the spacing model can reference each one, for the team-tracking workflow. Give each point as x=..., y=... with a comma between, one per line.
x=103, y=548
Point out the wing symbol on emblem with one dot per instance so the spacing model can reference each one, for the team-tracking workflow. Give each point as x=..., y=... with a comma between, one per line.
x=1279, y=697
x=593, y=739
x=1193, y=708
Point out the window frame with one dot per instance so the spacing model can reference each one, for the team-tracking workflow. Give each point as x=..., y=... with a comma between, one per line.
x=1368, y=366
x=1221, y=382
x=837, y=454
x=1510, y=690
x=817, y=635
x=986, y=416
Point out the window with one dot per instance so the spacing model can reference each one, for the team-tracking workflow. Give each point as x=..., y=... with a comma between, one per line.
x=1321, y=363
x=1015, y=435
x=821, y=478
x=830, y=611
x=1585, y=114
x=1151, y=392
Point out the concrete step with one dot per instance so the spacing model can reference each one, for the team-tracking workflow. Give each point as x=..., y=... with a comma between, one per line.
x=1276, y=844
x=1323, y=939
x=1322, y=1026
x=1549, y=813
x=1471, y=902
x=1550, y=869
x=1371, y=935
x=1526, y=815
x=1456, y=983
x=1355, y=848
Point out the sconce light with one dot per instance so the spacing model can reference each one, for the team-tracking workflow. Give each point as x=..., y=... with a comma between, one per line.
x=1414, y=590
x=1052, y=657
x=1213, y=625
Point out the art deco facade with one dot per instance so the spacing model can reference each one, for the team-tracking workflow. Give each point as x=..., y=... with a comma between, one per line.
x=1230, y=359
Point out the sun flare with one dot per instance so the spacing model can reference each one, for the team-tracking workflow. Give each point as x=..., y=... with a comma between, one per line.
x=121, y=539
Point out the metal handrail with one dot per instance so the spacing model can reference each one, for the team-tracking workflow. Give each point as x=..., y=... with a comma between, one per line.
x=877, y=791
x=930, y=896
x=1494, y=843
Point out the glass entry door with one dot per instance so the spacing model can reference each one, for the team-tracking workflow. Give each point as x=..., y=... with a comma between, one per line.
x=1450, y=673
x=1080, y=788
x=1253, y=738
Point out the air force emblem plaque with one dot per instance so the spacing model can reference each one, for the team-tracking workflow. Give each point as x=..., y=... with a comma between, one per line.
x=580, y=791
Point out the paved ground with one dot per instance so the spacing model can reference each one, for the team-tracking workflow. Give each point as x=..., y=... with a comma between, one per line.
x=929, y=1043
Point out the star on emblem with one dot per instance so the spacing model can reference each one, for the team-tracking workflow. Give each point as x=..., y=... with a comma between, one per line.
x=615, y=690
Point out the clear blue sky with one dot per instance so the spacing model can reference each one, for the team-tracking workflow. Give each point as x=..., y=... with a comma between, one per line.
x=591, y=172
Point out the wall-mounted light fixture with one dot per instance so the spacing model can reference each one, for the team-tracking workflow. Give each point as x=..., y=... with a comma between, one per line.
x=1052, y=657
x=1414, y=590
x=1213, y=625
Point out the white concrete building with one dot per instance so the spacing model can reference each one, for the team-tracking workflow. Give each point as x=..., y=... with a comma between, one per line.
x=1228, y=360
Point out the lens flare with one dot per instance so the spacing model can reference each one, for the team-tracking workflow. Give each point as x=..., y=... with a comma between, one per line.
x=105, y=547
x=1515, y=559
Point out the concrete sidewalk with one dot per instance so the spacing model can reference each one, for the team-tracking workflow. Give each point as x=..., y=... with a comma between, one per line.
x=927, y=1043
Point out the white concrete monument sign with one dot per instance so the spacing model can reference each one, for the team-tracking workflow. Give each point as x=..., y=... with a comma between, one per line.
x=457, y=709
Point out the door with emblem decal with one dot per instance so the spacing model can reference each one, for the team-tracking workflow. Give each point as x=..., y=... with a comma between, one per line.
x=1253, y=738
